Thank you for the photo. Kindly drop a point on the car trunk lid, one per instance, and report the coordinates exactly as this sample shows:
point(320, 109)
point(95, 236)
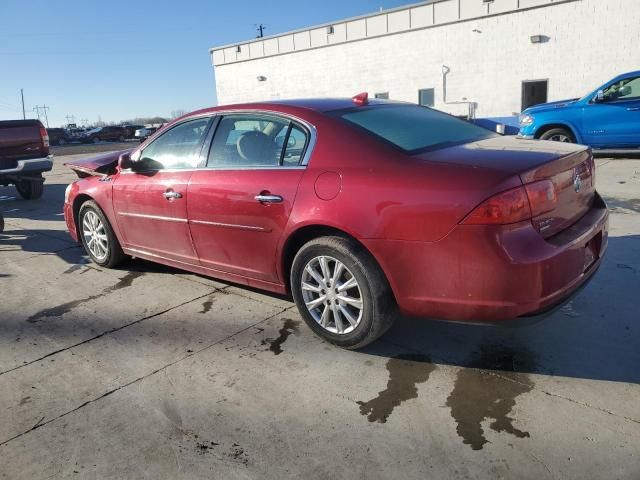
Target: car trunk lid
point(566, 165)
point(573, 177)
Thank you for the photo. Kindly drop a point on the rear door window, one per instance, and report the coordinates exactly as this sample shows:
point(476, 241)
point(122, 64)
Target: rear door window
point(256, 140)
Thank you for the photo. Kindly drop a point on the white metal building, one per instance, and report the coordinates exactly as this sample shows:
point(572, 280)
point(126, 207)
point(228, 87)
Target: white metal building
point(498, 55)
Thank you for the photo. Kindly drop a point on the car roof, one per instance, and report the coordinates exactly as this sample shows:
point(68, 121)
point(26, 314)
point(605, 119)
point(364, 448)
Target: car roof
point(315, 104)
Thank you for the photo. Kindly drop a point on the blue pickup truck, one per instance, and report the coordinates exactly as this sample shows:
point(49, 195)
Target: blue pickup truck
point(607, 118)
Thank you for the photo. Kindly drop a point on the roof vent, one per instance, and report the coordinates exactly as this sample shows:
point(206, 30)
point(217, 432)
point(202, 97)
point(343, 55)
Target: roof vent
point(361, 98)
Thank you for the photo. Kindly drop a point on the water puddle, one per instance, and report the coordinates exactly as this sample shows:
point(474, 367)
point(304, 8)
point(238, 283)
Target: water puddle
point(405, 373)
point(488, 390)
point(275, 345)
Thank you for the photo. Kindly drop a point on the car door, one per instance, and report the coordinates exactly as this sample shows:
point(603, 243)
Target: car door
point(150, 200)
point(613, 120)
point(240, 204)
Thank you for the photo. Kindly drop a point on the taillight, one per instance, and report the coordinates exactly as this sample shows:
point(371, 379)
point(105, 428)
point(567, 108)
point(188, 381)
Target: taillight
point(44, 137)
point(515, 205)
point(542, 197)
point(507, 207)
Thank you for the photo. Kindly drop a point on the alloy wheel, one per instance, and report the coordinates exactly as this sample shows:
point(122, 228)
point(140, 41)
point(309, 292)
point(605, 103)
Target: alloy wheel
point(560, 138)
point(95, 236)
point(332, 295)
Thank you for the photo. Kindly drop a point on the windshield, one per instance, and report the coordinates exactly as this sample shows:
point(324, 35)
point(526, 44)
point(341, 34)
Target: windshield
point(414, 128)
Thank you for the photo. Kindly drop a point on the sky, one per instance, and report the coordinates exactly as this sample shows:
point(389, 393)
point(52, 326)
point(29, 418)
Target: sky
point(120, 59)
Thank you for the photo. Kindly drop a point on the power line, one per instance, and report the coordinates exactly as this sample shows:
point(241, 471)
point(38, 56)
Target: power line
point(44, 109)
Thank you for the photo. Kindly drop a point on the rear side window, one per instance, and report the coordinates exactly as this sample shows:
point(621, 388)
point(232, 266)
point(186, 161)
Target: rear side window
point(414, 128)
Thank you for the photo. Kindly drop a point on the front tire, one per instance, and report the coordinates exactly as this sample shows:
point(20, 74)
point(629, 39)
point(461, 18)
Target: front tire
point(96, 140)
point(30, 189)
point(97, 236)
point(558, 135)
point(341, 292)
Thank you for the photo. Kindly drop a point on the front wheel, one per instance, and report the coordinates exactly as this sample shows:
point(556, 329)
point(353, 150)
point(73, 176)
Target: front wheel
point(558, 135)
point(30, 189)
point(97, 236)
point(341, 292)
point(96, 140)
point(121, 138)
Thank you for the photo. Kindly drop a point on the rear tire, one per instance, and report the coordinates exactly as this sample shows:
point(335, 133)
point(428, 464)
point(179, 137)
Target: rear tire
point(97, 236)
point(30, 189)
point(365, 310)
point(121, 138)
point(558, 135)
point(61, 141)
point(96, 140)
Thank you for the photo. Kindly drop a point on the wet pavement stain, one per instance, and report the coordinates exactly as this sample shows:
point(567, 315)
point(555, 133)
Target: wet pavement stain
point(74, 268)
point(60, 310)
point(275, 345)
point(405, 372)
point(206, 306)
point(480, 394)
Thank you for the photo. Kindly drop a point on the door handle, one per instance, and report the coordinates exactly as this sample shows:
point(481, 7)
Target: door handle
point(633, 109)
point(171, 195)
point(267, 198)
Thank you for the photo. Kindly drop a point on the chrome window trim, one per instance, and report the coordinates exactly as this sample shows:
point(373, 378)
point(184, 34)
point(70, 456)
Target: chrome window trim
point(128, 171)
point(313, 138)
point(313, 133)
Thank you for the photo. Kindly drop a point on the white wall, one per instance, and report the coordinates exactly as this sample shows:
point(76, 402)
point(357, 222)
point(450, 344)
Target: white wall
point(590, 41)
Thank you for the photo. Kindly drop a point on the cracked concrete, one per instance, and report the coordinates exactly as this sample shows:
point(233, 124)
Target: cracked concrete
point(149, 372)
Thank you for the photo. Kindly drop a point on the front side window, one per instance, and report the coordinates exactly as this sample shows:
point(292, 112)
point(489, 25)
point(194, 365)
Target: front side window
point(414, 128)
point(256, 141)
point(627, 89)
point(178, 147)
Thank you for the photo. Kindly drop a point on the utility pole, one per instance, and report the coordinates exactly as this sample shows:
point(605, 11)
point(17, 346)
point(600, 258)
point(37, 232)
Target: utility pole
point(46, 118)
point(260, 28)
point(70, 119)
point(44, 112)
point(24, 115)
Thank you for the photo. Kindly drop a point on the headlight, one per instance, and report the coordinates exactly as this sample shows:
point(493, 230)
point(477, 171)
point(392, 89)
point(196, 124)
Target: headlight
point(526, 119)
point(67, 192)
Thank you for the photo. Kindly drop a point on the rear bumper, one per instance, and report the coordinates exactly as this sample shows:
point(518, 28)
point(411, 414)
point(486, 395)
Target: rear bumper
point(489, 274)
point(27, 167)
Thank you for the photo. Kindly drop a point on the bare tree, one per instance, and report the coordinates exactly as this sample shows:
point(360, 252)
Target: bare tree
point(177, 113)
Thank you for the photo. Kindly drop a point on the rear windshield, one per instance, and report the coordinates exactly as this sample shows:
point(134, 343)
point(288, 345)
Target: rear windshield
point(414, 128)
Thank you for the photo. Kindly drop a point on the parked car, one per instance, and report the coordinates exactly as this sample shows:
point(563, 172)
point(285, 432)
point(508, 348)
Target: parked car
point(100, 134)
point(145, 132)
point(131, 130)
point(608, 117)
point(58, 136)
point(24, 156)
point(356, 208)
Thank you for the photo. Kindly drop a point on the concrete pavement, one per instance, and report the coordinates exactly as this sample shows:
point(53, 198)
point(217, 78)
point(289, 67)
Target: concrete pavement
point(149, 372)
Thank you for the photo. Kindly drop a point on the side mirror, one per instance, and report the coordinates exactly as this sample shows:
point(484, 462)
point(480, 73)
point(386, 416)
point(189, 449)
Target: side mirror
point(599, 96)
point(124, 162)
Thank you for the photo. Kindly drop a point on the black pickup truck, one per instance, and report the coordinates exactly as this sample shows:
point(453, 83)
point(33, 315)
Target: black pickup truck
point(24, 156)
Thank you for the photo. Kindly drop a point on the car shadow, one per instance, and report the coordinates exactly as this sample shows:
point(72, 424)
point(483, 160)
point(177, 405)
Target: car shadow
point(594, 336)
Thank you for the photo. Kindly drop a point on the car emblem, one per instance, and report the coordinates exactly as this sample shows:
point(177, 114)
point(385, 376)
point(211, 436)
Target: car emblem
point(577, 181)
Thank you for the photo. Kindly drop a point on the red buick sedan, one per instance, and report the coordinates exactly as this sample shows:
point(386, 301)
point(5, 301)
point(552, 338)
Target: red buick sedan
point(358, 208)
